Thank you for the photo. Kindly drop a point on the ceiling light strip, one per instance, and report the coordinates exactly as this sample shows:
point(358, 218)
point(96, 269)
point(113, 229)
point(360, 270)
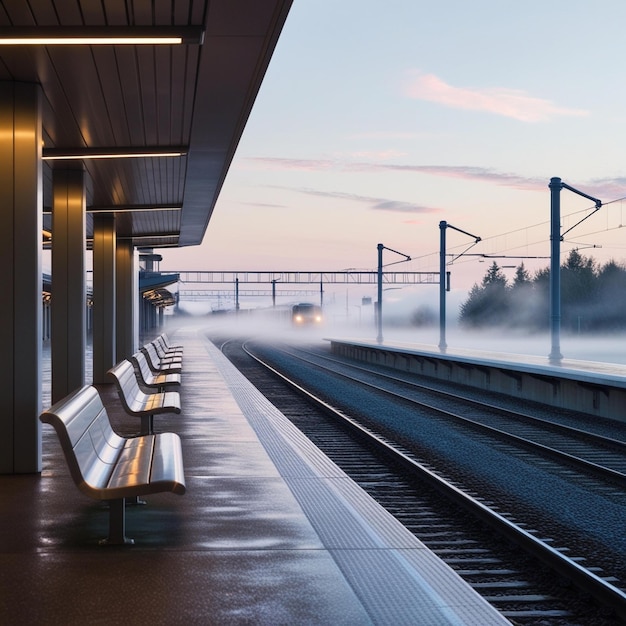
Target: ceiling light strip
point(100, 35)
point(134, 208)
point(126, 208)
point(172, 235)
point(123, 152)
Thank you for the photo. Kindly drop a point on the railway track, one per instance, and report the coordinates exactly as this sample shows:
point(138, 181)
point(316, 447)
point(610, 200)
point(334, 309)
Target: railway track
point(595, 454)
point(522, 574)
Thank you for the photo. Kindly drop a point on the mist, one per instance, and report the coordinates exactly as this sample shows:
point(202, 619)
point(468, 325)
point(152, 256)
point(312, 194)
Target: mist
point(411, 320)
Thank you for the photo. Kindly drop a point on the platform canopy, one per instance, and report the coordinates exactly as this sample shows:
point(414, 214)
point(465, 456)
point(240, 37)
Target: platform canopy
point(153, 287)
point(126, 101)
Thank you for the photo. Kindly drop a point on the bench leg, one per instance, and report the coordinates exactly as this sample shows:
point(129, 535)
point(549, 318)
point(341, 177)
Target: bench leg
point(135, 500)
point(147, 425)
point(117, 525)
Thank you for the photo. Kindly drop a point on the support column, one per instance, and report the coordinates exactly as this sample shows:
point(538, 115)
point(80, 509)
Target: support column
point(68, 271)
point(21, 277)
point(443, 225)
point(104, 313)
point(379, 303)
point(126, 297)
point(555, 186)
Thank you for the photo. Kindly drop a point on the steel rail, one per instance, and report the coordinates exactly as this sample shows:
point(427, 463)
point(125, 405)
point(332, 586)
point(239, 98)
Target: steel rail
point(603, 591)
point(555, 426)
point(601, 471)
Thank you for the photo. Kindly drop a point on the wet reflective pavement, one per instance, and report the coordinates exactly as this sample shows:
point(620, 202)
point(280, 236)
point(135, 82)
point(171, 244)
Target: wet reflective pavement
point(269, 531)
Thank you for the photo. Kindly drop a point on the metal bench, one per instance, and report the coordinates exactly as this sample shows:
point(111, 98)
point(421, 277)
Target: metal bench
point(106, 466)
point(166, 357)
point(169, 351)
point(157, 365)
point(136, 402)
point(150, 380)
point(168, 344)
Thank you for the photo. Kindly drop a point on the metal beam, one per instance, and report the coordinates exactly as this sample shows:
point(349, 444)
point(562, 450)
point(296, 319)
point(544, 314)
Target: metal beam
point(307, 277)
point(198, 295)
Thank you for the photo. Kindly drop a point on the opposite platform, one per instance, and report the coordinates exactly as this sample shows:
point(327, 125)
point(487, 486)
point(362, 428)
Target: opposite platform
point(587, 386)
point(270, 531)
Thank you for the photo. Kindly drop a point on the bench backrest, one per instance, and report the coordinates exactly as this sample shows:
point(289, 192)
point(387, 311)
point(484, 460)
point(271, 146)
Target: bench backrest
point(168, 349)
point(151, 353)
point(155, 360)
point(144, 368)
point(166, 341)
point(158, 348)
point(89, 443)
point(124, 375)
point(160, 343)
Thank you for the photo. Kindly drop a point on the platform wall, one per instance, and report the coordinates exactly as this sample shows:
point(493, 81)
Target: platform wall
point(601, 397)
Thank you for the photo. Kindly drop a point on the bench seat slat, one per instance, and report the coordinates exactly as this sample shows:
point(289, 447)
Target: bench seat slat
point(133, 465)
point(151, 468)
point(167, 379)
point(167, 463)
point(169, 360)
point(159, 402)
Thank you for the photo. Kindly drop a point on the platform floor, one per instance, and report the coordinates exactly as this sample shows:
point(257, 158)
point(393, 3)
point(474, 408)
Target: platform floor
point(269, 532)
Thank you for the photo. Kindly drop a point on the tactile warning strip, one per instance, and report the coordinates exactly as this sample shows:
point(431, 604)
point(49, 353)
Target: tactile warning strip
point(396, 577)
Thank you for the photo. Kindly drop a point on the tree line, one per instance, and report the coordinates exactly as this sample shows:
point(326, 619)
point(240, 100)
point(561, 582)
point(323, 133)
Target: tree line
point(593, 298)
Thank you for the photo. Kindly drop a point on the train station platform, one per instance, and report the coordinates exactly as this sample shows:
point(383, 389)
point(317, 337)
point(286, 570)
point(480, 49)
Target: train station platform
point(592, 387)
point(270, 531)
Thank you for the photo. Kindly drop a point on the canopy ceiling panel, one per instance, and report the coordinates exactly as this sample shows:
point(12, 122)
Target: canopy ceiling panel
point(194, 99)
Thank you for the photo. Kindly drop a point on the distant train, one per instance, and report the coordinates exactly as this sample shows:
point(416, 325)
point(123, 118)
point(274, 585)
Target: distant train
point(306, 314)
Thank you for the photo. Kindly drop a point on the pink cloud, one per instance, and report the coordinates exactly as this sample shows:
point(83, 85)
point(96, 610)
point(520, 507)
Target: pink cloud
point(512, 103)
point(465, 172)
point(606, 188)
point(377, 204)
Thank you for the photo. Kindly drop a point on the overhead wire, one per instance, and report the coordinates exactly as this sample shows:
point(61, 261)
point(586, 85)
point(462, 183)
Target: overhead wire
point(462, 258)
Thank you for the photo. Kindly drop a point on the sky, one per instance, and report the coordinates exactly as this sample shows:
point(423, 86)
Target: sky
point(376, 121)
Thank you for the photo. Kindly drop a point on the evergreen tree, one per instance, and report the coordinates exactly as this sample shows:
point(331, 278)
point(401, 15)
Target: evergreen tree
point(522, 305)
point(494, 277)
point(608, 309)
point(593, 297)
point(487, 304)
point(578, 284)
point(541, 300)
point(522, 277)
point(473, 310)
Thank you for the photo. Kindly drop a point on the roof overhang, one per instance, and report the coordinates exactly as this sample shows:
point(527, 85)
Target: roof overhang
point(154, 125)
